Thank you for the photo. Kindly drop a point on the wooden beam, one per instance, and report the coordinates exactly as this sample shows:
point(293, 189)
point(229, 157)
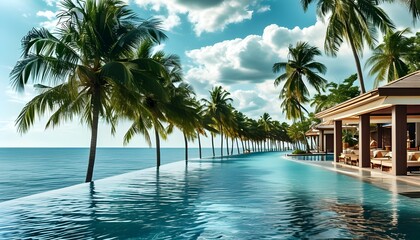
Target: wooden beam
point(338, 139)
point(399, 140)
point(364, 140)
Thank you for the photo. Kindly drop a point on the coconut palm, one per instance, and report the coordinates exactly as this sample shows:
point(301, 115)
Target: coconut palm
point(387, 61)
point(355, 22)
point(155, 105)
point(300, 66)
point(182, 112)
point(265, 122)
point(218, 107)
point(86, 67)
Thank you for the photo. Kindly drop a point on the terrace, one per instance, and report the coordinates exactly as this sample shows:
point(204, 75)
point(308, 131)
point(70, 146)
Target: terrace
point(394, 105)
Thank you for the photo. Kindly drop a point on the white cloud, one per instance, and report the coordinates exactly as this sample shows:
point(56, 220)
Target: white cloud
point(48, 14)
point(206, 16)
point(50, 2)
point(170, 22)
point(52, 20)
point(243, 65)
point(264, 9)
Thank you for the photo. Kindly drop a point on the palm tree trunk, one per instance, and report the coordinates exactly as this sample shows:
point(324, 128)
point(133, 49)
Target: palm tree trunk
point(237, 146)
point(186, 147)
point(304, 137)
point(232, 146)
point(227, 145)
point(356, 59)
point(94, 134)
point(157, 148)
point(221, 142)
point(212, 144)
point(199, 144)
point(242, 143)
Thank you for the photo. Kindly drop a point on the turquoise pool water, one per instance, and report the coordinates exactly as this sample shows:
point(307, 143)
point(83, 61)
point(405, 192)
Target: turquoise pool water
point(314, 157)
point(254, 196)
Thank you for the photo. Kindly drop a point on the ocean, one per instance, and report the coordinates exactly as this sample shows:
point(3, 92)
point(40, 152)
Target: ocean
point(27, 171)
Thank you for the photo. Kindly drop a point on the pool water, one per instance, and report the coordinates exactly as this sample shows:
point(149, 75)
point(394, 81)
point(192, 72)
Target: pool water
point(254, 196)
point(314, 157)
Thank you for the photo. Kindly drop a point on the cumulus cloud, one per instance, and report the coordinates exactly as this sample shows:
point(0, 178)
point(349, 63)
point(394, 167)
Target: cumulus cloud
point(243, 65)
point(249, 60)
point(52, 21)
point(48, 14)
point(207, 16)
point(170, 21)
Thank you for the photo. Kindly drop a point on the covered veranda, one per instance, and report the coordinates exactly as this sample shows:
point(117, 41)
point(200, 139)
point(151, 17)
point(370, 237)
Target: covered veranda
point(396, 103)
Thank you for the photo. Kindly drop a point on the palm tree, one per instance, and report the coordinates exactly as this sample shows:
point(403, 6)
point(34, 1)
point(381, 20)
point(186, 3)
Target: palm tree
point(182, 112)
point(301, 64)
point(88, 63)
point(337, 93)
point(265, 122)
point(353, 21)
point(218, 107)
point(387, 61)
point(155, 104)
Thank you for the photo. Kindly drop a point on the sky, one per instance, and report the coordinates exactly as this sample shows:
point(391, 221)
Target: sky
point(231, 43)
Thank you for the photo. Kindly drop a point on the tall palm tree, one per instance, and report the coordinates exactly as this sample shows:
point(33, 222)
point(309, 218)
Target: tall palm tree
point(219, 108)
point(387, 61)
point(155, 105)
point(300, 66)
point(182, 112)
point(352, 21)
point(265, 122)
point(89, 66)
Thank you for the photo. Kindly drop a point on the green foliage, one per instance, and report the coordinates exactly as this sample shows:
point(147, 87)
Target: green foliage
point(300, 66)
point(298, 151)
point(297, 130)
point(355, 22)
point(348, 137)
point(387, 60)
point(87, 67)
point(412, 57)
point(337, 93)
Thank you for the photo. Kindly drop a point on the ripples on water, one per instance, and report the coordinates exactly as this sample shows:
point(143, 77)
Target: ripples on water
point(258, 196)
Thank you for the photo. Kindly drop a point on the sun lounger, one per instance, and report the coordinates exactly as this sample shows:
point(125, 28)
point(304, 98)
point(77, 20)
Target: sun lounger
point(413, 162)
point(379, 157)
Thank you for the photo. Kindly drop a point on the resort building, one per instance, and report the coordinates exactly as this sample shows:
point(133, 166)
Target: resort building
point(386, 121)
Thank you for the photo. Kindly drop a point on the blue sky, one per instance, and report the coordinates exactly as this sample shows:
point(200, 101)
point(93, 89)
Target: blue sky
point(232, 43)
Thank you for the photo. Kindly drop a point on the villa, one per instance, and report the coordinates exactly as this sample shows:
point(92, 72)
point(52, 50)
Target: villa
point(394, 112)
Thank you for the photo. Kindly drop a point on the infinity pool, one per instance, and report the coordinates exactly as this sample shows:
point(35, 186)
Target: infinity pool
point(255, 196)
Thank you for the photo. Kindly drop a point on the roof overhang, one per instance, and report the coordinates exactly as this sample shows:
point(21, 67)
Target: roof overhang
point(378, 102)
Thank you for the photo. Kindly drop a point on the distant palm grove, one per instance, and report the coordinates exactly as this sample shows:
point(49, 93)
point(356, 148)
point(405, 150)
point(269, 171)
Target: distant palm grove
point(100, 64)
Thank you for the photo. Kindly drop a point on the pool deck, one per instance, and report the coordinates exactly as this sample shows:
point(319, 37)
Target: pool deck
point(384, 180)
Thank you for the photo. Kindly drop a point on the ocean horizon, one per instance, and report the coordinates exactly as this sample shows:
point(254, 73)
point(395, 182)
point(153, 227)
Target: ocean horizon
point(26, 171)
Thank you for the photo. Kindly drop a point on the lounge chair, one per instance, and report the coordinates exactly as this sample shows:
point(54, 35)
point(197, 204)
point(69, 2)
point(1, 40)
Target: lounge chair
point(379, 157)
point(413, 162)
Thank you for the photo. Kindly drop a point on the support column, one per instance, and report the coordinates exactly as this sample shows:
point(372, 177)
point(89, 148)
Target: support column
point(321, 140)
point(399, 140)
point(338, 139)
point(380, 140)
point(364, 140)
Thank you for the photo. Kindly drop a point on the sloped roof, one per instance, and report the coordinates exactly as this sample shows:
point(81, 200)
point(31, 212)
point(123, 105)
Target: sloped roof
point(406, 86)
point(403, 91)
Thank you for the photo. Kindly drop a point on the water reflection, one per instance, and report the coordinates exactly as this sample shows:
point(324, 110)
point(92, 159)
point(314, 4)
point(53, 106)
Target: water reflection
point(240, 198)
